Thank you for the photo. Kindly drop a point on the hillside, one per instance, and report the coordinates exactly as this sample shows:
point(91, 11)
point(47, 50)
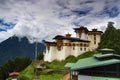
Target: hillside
point(111, 38)
point(13, 47)
point(53, 71)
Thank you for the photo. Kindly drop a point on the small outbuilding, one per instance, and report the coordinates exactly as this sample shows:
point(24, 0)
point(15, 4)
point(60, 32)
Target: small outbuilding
point(39, 68)
point(98, 67)
point(14, 75)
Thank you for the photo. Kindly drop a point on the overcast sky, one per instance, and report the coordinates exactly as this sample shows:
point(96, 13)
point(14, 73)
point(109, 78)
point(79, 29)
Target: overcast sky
point(43, 19)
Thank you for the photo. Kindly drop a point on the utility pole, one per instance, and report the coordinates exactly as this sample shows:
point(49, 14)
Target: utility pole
point(36, 53)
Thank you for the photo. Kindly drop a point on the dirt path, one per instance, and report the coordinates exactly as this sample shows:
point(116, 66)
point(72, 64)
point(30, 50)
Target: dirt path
point(66, 77)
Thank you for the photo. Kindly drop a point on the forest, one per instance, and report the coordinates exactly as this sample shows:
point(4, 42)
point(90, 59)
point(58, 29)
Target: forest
point(111, 38)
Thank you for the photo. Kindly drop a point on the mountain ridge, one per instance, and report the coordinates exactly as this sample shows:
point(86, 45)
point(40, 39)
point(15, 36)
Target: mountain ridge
point(16, 47)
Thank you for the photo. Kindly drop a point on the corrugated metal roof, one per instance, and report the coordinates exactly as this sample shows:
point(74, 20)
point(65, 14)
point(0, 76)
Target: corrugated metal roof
point(92, 62)
point(68, 65)
point(105, 55)
point(106, 49)
point(105, 78)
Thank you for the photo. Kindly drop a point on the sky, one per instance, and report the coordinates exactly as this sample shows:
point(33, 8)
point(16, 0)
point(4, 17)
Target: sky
point(43, 19)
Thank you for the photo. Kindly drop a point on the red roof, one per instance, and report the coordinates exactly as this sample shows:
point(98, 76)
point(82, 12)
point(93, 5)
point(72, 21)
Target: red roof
point(14, 74)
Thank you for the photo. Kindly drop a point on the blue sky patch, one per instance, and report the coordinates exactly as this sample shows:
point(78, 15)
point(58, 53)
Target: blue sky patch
point(80, 12)
point(76, 23)
point(7, 25)
point(113, 12)
point(2, 30)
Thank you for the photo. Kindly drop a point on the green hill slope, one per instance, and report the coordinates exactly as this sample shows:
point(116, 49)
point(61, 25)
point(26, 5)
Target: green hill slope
point(54, 70)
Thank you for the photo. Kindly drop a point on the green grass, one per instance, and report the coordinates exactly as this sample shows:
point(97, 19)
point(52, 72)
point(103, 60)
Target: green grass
point(51, 77)
point(50, 72)
point(60, 65)
point(29, 71)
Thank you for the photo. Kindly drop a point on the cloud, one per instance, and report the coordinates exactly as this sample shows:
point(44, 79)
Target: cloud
point(43, 19)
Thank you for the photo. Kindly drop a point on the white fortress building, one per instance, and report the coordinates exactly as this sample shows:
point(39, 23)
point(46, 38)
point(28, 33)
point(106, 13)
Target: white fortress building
point(64, 46)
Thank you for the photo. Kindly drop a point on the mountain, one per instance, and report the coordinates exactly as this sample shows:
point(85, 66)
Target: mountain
point(14, 46)
point(111, 38)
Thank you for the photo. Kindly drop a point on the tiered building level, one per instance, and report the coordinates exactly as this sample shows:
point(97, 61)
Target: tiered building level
point(64, 46)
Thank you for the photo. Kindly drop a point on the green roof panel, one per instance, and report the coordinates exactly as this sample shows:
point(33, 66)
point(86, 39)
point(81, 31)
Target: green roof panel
point(105, 78)
point(92, 62)
point(103, 55)
point(106, 49)
point(68, 65)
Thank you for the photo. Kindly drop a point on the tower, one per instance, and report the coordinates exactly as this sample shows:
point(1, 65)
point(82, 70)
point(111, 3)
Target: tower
point(81, 33)
point(94, 37)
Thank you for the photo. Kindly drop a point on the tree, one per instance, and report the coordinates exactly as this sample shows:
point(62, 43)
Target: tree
point(111, 38)
point(18, 64)
point(40, 56)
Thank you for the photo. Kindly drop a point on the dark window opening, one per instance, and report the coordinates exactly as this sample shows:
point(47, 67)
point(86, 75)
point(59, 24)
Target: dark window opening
point(81, 49)
point(94, 35)
point(94, 42)
point(73, 48)
point(94, 38)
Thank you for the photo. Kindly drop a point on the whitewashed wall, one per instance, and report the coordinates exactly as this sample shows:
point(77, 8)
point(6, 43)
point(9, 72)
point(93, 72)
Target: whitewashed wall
point(84, 36)
point(83, 77)
point(55, 54)
point(50, 54)
point(92, 45)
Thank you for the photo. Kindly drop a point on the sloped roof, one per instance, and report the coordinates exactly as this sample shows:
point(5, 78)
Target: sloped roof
point(38, 67)
point(104, 78)
point(50, 42)
point(95, 30)
point(106, 49)
point(73, 39)
point(103, 56)
point(68, 65)
point(92, 62)
point(81, 28)
point(14, 74)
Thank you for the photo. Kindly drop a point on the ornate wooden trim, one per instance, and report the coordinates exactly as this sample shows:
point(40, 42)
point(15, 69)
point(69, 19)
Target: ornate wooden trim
point(94, 33)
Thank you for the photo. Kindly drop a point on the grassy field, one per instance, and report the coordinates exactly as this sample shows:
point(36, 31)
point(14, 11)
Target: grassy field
point(54, 70)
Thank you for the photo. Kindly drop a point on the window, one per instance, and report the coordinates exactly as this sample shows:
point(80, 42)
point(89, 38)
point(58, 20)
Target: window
point(65, 44)
point(73, 48)
point(84, 49)
point(81, 44)
point(94, 35)
point(73, 44)
point(94, 42)
point(84, 45)
point(79, 36)
point(94, 38)
point(81, 49)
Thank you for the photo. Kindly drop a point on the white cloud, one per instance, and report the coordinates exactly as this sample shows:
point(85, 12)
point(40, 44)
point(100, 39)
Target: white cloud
point(43, 19)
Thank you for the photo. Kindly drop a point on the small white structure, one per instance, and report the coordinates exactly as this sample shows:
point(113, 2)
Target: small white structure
point(65, 46)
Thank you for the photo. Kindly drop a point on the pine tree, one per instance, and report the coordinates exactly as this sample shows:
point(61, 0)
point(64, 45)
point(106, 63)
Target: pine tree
point(111, 38)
